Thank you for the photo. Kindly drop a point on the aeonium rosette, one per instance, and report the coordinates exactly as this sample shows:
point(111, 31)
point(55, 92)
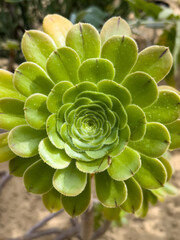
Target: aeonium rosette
point(87, 104)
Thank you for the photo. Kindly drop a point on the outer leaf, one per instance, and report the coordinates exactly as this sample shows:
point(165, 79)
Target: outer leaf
point(18, 165)
point(96, 69)
point(52, 200)
point(98, 165)
point(136, 122)
point(154, 60)
point(113, 27)
point(167, 165)
point(69, 181)
point(122, 52)
point(54, 100)
point(152, 173)
point(74, 206)
point(85, 40)
point(6, 86)
point(52, 132)
point(111, 193)
point(134, 198)
point(124, 165)
point(111, 213)
point(36, 111)
point(116, 90)
point(5, 152)
point(174, 130)
point(142, 87)
point(166, 109)
point(155, 142)
point(63, 65)
point(29, 78)
point(57, 27)
point(54, 157)
point(24, 140)
point(37, 46)
point(38, 178)
point(11, 113)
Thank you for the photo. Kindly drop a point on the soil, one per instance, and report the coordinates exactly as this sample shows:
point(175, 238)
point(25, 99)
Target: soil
point(20, 210)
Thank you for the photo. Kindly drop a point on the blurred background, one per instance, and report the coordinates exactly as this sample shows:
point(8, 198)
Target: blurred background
point(152, 22)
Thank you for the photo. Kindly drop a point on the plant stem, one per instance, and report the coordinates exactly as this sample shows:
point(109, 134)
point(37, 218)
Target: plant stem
point(87, 224)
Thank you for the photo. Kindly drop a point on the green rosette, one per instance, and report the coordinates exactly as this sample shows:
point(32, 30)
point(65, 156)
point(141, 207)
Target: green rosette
point(87, 105)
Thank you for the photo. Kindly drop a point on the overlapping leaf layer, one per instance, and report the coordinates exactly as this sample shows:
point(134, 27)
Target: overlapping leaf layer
point(88, 104)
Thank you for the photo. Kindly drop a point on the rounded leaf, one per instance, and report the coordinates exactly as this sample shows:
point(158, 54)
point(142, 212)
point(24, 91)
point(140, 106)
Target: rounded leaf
point(5, 152)
point(95, 70)
point(75, 206)
point(36, 111)
point(152, 173)
point(29, 78)
point(37, 46)
point(169, 169)
point(113, 27)
point(11, 113)
point(155, 142)
point(154, 60)
point(110, 193)
point(52, 200)
point(38, 178)
point(85, 40)
point(24, 140)
point(174, 130)
point(63, 65)
point(125, 165)
point(69, 181)
point(122, 52)
point(57, 27)
point(142, 87)
point(56, 158)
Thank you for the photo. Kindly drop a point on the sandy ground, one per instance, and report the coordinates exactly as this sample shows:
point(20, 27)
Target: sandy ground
point(20, 210)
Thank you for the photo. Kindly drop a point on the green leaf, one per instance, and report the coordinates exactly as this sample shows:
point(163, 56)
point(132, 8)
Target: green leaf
point(18, 165)
point(69, 181)
point(29, 78)
point(37, 46)
point(5, 152)
point(166, 109)
point(142, 88)
point(56, 158)
point(6, 86)
point(111, 213)
point(154, 60)
point(57, 27)
point(52, 133)
point(152, 173)
point(85, 40)
point(113, 27)
point(75, 206)
point(63, 65)
point(52, 200)
point(169, 169)
point(71, 94)
point(110, 193)
point(38, 178)
point(116, 90)
point(136, 122)
point(155, 142)
point(95, 70)
point(54, 101)
point(124, 165)
point(122, 52)
point(98, 165)
point(174, 130)
point(11, 113)
point(82, 156)
point(36, 111)
point(162, 193)
point(24, 140)
point(134, 198)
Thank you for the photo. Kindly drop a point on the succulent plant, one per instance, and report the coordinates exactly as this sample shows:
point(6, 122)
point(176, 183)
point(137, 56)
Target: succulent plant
point(86, 105)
